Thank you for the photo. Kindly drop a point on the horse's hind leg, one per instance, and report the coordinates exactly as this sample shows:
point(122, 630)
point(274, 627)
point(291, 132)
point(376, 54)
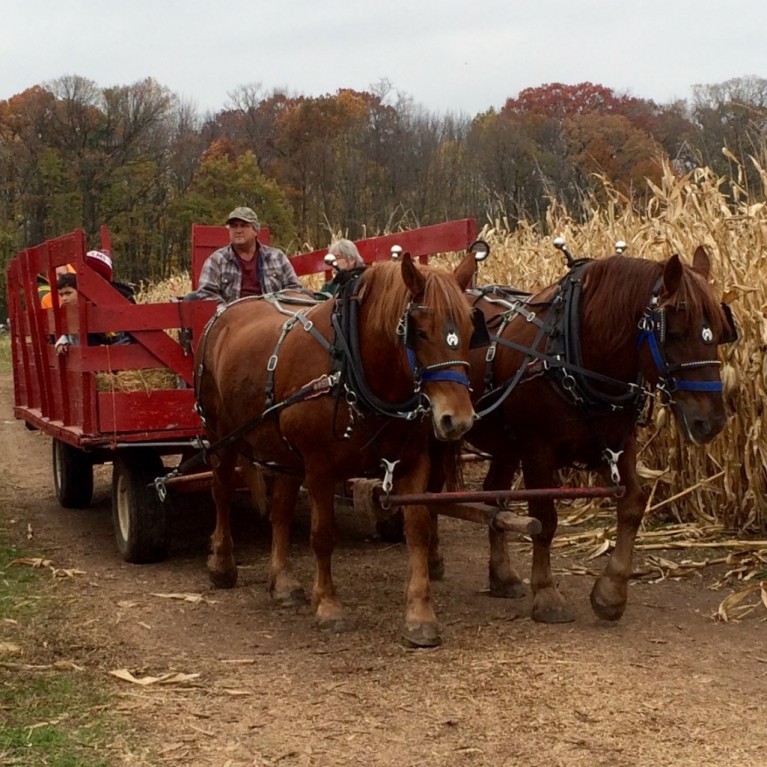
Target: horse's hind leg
point(222, 568)
point(610, 592)
point(548, 604)
point(284, 588)
point(503, 579)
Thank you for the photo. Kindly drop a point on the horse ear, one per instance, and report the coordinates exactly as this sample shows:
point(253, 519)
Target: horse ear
point(701, 262)
point(672, 275)
point(412, 276)
point(466, 270)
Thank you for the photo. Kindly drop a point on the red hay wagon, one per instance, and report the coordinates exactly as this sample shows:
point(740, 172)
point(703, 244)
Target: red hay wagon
point(138, 432)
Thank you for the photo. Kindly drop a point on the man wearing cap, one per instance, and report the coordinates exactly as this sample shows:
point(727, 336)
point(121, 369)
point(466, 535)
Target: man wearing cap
point(245, 267)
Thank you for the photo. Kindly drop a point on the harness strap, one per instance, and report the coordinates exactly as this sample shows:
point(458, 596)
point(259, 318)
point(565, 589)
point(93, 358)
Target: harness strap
point(319, 386)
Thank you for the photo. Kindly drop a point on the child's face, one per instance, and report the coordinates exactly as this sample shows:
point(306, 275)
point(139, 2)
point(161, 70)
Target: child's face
point(67, 296)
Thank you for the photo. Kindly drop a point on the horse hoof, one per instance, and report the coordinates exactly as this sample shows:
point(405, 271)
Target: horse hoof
point(506, 589)
point(553, 614)
point(293, 598)
point(223, 579)
point(437, 570)
point(606, 611)
point(422, 635)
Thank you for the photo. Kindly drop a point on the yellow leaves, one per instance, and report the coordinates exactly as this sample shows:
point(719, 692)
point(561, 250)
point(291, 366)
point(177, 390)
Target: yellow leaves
point(734, 608)
point(186, 597)
point(39, 562)
point(173, 678)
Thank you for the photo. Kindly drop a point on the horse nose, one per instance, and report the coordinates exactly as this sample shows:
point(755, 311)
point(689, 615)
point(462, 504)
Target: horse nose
point(705, 429)
point(450, 427)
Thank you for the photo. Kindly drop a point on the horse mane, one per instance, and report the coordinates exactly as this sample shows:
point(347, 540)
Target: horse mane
point(386, 296)
point(618, 288)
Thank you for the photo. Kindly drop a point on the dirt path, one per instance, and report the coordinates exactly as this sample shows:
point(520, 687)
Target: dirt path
point(666, 685)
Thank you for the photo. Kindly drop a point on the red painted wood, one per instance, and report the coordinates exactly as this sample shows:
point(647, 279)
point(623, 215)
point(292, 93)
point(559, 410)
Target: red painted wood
point(420, 243)
point(121, 412)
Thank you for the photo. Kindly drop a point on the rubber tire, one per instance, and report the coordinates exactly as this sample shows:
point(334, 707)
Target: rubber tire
point(72, 475)
point(141, 519)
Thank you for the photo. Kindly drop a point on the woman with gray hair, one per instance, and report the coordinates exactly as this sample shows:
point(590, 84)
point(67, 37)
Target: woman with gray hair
point(347, 257)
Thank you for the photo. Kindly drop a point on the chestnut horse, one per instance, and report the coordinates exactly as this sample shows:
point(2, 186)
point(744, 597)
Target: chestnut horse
point(563, 384)
point(331, 392)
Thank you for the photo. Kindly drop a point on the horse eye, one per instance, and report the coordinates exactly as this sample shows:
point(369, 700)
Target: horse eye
point(422, 334)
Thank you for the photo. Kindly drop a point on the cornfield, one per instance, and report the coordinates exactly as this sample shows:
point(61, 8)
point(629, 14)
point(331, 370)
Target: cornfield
point(725, 482)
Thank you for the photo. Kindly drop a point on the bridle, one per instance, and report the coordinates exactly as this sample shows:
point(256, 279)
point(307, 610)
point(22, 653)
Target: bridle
point(652, 331)
point(437, 370)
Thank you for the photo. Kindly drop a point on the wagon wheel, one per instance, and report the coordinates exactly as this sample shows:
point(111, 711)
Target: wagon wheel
point(72, 475)
point(141, 519)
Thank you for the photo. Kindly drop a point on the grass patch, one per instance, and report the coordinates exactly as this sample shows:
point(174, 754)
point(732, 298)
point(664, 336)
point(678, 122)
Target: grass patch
point(50, 714)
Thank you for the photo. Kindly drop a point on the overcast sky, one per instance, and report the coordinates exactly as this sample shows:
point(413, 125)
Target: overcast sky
point(462, 57)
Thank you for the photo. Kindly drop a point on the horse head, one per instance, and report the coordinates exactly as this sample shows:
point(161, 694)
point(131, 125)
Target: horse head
point(435, 329)
point(683, 325)
point(437, 342)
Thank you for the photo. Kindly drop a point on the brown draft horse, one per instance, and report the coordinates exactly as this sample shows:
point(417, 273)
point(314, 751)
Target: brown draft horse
point(572, 370)
point(333, 392)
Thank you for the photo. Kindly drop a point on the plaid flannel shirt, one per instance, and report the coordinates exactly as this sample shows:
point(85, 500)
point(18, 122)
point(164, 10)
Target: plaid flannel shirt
point(221, 277)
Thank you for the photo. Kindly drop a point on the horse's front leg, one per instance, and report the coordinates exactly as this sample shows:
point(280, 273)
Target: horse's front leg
point(503, 579)
point(549, 605)
point(421, 629)
point(437, 476)
point(222, 568)
point(284, 587)
point(328, 609)
point(610, 592)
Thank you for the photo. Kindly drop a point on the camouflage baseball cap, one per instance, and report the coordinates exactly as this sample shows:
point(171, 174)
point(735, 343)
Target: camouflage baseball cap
point(247, 215)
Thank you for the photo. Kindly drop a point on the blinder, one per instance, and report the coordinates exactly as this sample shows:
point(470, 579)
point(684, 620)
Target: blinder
point(730, 331)
point(480, 335)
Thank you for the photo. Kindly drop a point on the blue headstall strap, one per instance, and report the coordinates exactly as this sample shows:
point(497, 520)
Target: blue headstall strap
point(437, 371)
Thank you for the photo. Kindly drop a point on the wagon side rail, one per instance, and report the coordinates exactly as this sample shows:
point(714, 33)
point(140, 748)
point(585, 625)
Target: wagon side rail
point(421, 243)
point(60, 393)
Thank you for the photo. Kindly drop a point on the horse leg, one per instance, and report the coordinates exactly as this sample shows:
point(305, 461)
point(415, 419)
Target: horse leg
point(437, 478)
point(610, 592)
point(503, 579)
point(222, 569)
point(328, 609)
point(421, 629)
point(548, 604)
point(284, 588)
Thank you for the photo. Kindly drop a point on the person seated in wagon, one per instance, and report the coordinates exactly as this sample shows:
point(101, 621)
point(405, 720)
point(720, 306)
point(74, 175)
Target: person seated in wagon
point(244, 267)
point(347, 257)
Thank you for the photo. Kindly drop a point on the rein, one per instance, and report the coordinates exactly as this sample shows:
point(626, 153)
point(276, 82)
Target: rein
point(348, 354)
